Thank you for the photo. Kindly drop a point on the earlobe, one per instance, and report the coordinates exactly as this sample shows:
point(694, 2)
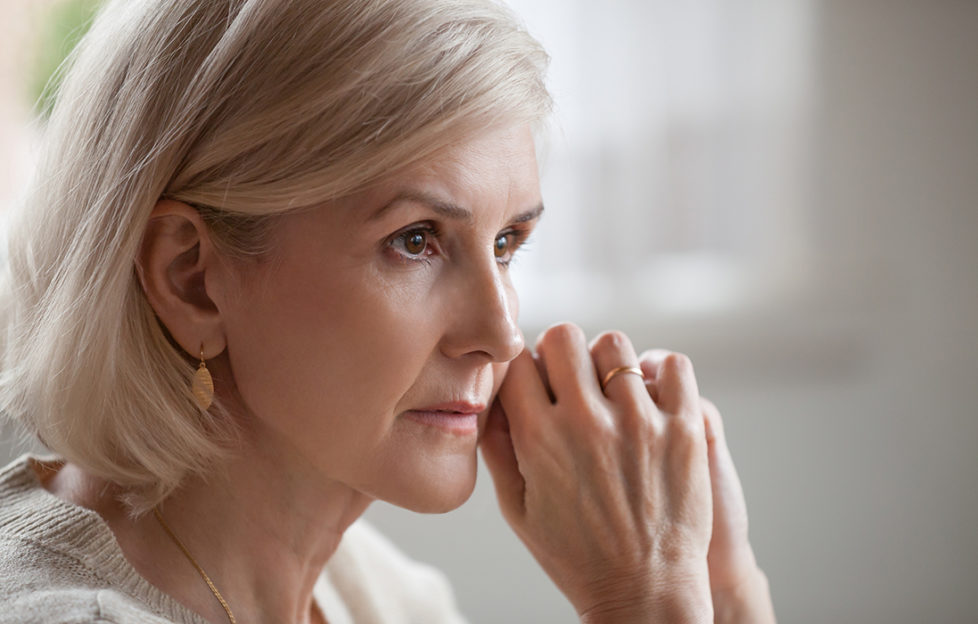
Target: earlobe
point(175, 264)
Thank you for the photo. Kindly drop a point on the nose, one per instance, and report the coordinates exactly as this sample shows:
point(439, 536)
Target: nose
point(484, 314)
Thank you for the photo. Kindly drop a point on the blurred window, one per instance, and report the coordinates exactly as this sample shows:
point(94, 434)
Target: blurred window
point(677, 175)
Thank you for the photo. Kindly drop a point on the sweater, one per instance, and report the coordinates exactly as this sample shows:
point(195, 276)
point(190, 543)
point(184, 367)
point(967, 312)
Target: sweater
point(61, 564)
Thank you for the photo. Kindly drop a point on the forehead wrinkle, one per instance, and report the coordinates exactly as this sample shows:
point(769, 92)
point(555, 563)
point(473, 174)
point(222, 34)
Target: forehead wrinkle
point(440, 206)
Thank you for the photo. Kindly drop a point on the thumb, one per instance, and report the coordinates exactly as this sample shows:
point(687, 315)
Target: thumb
point(500, 458)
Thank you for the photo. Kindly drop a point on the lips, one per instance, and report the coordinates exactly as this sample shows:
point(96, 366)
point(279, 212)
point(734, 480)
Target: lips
point(458, 407)
point(458, 417)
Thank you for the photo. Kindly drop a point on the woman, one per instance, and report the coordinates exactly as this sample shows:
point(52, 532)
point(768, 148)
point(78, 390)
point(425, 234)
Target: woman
point(261, 281)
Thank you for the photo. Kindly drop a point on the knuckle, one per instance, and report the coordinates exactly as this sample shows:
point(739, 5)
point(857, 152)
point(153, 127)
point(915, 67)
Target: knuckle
point(686, 428)
point(587, 416)
point(612, 341)
point(561, 334)
point(658, 424)
point(591, 407)
point(605, 432)
point(638, 422)
point(679, 362)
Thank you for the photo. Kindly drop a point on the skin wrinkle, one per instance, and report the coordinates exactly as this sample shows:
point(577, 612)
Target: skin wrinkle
point(446, 208)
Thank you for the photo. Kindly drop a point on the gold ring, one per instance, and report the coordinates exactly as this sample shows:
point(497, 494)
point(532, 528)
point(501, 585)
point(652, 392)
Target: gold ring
point(621, 370)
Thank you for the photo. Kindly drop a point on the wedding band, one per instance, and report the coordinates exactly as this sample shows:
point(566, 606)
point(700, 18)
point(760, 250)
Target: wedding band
point(621, 370)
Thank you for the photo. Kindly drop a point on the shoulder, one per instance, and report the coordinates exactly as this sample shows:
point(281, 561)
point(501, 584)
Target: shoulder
point(43, 586)
point(60, 564)
point(41, 539)
point(378, 582)
point(73, 605)
point(31, 593)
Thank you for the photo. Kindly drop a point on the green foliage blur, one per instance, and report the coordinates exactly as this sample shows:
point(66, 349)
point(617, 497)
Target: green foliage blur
point(64, 26)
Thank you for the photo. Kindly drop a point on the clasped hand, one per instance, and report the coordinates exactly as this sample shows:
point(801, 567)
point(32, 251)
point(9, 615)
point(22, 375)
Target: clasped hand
point(626, 495)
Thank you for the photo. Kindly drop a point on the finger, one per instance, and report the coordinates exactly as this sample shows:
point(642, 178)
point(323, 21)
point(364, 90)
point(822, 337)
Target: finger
point(542, 372)
point(730, 551)
point(523, 398)
point(500, 458)
point(611, 351)
point(522, 389)
point(650, 361)
point(678, 393)
point(728, 494)
point(563, 351)
point(652, 389)
point(713, 422)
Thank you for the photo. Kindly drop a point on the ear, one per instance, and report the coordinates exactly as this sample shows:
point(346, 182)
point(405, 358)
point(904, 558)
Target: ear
point(176, 264)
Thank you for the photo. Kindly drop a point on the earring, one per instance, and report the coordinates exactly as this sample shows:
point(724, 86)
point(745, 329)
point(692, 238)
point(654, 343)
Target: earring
point(203, 384)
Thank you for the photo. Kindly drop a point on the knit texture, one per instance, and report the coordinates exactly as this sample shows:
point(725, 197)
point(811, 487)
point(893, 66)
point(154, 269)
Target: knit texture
point(61, 564)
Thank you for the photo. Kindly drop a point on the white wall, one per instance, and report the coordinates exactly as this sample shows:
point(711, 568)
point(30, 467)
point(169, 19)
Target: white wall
point(850, 407)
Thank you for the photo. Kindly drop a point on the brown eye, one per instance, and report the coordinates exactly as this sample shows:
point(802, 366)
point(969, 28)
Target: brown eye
point(501, 246)
point(415, 243)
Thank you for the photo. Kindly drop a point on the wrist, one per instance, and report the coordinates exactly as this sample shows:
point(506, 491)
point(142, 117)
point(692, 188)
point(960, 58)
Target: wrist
point(685, 601)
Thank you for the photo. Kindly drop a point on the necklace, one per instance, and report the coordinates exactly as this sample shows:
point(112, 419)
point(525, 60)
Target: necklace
point(200, 570)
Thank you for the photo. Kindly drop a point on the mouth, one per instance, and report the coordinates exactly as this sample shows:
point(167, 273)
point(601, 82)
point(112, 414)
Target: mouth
point(459, 418)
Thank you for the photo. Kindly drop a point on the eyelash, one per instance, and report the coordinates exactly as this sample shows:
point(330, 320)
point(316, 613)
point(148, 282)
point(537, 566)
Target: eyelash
point(428, 229)
point(519, 239)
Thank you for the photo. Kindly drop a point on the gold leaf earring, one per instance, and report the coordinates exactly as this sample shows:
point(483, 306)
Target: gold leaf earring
point(203, 384)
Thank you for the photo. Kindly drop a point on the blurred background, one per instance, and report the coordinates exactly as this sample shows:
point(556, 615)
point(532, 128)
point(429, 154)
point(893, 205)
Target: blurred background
point(787, 191)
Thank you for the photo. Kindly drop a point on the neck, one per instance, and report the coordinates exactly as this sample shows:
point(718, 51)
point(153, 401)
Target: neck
point(263, 533)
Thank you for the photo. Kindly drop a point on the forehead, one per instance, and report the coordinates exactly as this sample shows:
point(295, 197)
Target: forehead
point(495, 170)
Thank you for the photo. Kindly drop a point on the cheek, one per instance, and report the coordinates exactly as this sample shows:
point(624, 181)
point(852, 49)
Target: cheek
point(327, 356)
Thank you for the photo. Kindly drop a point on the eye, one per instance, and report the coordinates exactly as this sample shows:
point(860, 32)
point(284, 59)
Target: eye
point(416, 243)
point(502, 247)
point(507, 244)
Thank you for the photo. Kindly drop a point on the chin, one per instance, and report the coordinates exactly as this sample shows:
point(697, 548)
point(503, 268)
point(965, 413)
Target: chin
point(434, 489)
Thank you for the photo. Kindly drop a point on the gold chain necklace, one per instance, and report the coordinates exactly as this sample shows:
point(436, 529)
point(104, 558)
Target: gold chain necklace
point(200, 570)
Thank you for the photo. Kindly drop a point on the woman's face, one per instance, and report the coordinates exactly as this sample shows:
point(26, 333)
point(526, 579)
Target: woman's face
point(369, 345)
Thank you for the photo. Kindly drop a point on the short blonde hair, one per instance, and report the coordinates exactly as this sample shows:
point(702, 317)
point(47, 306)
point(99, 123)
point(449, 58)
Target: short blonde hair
point(248, 108)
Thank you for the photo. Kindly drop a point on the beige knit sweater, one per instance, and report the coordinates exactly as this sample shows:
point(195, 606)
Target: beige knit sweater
point(61, 564)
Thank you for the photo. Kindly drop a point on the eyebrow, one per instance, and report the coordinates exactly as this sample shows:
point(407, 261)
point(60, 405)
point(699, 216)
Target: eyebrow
point(447, 209)
point(529, 215)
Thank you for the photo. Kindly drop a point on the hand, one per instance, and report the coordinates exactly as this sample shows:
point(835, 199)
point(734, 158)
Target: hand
point(738, 587)
point(610, 491)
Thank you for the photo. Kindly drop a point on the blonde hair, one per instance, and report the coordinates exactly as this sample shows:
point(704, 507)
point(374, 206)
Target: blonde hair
point(246, 108)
